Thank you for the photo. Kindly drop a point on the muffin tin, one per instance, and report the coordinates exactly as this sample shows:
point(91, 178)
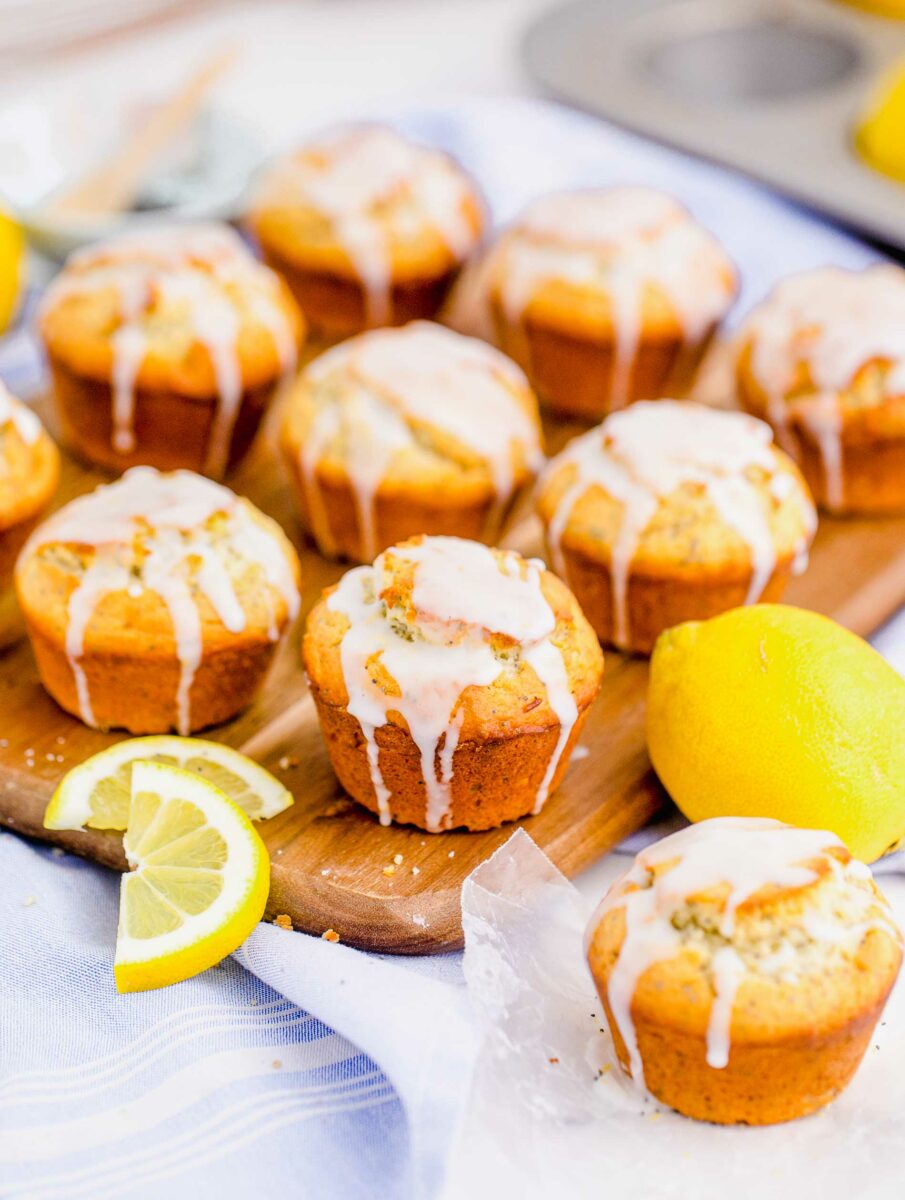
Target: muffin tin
point(773, 88)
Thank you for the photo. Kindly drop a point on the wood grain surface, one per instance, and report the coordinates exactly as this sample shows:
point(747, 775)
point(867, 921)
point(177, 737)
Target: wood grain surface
point(333, 864)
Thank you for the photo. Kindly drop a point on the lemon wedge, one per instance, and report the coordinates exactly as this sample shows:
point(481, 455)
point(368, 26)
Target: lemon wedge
point(198, 882)
point(96, 794)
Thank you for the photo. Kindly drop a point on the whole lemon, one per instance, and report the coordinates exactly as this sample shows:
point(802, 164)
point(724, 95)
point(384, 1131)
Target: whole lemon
point(772, 711)
point(12, 248)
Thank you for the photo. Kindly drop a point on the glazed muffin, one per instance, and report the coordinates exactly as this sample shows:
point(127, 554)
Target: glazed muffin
point(156, 602)
point(29, 473)
point(670, 512)
point(604, 297)
point(407, 431)
point(823, 360)
point(743, 966)
point(451, 682)
point(166, 347)
point(367, 228)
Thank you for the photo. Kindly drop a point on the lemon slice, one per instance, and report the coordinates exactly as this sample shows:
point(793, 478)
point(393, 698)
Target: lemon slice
point(199, 880)
point(96, 793)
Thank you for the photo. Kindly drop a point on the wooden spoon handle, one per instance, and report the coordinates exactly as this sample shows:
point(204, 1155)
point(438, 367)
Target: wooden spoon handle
point(113, 186)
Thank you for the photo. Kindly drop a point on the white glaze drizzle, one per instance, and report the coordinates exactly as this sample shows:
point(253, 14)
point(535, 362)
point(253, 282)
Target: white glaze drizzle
point(193, 265)
point(371, 183)
point(14, 412)
point(168, 514)
point(422, 374)
point(463, 593)
point(641, 455)
point(617, 242)
point(833, 322)
point(743, 854)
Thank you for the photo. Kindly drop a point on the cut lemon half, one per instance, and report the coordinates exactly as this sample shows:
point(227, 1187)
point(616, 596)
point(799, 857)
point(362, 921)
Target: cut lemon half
point(96, 794)
point(199, 879)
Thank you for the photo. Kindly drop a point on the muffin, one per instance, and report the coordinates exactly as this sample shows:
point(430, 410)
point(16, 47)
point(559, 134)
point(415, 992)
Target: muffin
point(451, 682)
point(407, 431)
point(29, 473)
point(604, 297)
point(165, 348)
point(823, 360)
point(670, 512)
point(367, 228)
point(156, 602)
point(743, 965)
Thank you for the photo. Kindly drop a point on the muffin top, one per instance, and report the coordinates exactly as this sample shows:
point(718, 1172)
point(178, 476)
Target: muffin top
point(827, 349)
point(184, 309)
point(417, 409)
point(745, 926)
point(608, 263)
point(453, 641)
point(834, 331)
point(157, 564)
point(29, 462)
point(367, 204)
point(676, 485)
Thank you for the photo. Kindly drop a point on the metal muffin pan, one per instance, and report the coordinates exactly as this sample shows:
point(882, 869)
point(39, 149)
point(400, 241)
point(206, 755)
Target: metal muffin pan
point(772, 88)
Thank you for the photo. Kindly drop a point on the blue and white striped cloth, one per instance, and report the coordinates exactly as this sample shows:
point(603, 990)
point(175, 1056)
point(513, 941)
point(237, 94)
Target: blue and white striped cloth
point(298, 1068)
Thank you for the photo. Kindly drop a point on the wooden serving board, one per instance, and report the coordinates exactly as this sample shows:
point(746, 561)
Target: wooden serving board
point(328, 854)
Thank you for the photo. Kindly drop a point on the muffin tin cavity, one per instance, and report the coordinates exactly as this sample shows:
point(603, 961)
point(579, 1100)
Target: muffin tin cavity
point(757, 59)
point(776, 90)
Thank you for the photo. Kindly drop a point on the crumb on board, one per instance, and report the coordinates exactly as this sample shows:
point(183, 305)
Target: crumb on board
point(288, 761)
point(330, 935)
point(389, 869)
point(452, 854)
point(283, 920)
point(416, 870)
point(337, 808)
point(398, 859)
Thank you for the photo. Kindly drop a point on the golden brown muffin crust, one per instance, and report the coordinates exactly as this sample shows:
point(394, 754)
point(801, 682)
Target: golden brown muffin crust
point(193, 290)
point(774, 1030)
point(29, 463)
point(297, 220)
point(515, 701)
point(417, 420)
point(156, 602)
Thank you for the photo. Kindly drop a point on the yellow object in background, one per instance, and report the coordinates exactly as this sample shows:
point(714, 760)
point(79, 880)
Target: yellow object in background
point(773, 711)
point(12, 258)
point(884, 8)
point(880, 138)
